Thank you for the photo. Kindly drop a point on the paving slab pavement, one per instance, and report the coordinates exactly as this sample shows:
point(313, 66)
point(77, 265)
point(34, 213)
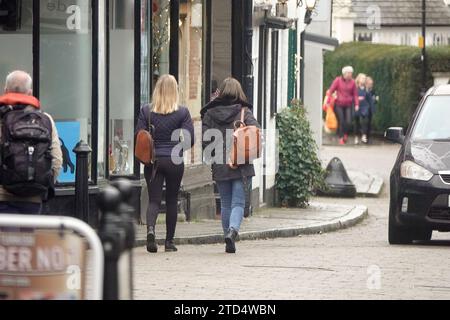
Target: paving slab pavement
point(267, 223)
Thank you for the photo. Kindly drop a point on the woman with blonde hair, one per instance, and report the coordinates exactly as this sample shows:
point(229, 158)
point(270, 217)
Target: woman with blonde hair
point(164, 118)
point(220, 115)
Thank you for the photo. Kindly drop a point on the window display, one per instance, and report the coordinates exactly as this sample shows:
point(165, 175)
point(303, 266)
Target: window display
point(121, 90)
point(66, 67)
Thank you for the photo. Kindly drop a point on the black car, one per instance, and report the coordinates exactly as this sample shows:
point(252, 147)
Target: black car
point(420, 179)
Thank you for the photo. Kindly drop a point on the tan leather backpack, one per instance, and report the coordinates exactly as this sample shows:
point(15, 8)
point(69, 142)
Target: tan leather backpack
point(246, 142)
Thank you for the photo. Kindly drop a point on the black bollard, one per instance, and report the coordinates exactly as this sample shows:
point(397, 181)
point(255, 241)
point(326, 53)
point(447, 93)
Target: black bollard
point(82, 151)
point(338, 183)
point(128, 222)
point(113, 238)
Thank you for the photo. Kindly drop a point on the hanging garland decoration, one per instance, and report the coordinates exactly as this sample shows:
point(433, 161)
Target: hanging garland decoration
point(161, 17)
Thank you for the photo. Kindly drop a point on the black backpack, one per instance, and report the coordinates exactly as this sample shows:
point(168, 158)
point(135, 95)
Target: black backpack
point(26, 161)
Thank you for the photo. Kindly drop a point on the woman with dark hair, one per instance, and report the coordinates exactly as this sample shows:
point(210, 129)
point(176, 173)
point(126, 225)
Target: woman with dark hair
point(373, 106)
point(219, 116)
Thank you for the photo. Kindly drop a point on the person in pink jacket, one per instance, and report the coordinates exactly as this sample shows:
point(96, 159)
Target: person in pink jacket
point(347, 95)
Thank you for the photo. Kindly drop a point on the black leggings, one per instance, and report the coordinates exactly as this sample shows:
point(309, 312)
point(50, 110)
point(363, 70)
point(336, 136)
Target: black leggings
point(344, 117)
point(172, 174)
point(362, 125)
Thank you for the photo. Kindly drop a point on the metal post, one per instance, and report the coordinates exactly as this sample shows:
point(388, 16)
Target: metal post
point(302, 66)
point(117, 232)
point(82, 151)
point(128, 217)
point(248, 44)
point(113, 240)
point(423, 44)
point(248, 80)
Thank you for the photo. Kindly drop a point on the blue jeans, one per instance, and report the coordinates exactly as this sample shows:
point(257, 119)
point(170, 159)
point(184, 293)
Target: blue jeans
point(232, 199)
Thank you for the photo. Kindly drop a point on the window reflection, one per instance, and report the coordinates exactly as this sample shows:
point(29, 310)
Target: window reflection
point(161, 38)
point(66, 72)
point(121, 82)
point(16, 36)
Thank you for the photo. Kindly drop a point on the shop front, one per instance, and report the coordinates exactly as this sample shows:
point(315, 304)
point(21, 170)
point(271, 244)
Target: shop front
point(94, 64)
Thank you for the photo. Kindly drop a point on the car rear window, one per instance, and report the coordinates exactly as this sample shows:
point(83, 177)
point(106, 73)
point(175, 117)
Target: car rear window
point(433, 121)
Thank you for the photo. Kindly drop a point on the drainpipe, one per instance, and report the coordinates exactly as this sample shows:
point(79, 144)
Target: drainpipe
point(247, 64)
point(247, 81)
point(302, 66)
point(423, 46)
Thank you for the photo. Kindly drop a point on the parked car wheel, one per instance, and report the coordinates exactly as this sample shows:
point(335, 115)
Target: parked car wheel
point(398, 235)
point(404, 235)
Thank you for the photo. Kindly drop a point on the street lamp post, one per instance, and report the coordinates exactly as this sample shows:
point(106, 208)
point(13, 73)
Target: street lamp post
point(422, 43)
point(310, 6)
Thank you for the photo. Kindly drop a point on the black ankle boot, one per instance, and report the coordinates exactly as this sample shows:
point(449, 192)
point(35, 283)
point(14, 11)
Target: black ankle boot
point(152, 247)
point(170, 246)
point(230, 240)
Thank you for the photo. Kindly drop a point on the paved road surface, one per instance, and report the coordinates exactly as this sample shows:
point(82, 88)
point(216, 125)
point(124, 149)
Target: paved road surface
point(356, 263)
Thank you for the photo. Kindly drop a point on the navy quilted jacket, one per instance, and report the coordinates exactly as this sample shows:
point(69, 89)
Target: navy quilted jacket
point(165, 125)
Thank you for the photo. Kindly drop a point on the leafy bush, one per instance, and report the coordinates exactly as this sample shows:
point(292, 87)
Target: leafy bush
point(396, 71)
point(300, 171)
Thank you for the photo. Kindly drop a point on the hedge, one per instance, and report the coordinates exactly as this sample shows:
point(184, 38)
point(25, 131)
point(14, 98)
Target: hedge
point(300, 172)
point(396, 71)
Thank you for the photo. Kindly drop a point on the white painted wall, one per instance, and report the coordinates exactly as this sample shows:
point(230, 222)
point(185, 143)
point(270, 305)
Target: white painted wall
point(314, 87)
point(320, 25)
point(343, 29)
point(343, 21)
point(271, 160)
point(441, 78)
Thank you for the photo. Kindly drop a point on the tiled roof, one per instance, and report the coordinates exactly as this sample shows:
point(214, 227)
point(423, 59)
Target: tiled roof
point(400, 12)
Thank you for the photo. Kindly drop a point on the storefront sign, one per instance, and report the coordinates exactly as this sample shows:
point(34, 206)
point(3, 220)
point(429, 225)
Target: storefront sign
point(42, 265)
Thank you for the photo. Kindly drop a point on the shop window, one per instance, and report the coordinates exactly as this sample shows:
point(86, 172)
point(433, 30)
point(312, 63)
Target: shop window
point(161, 38)
point(16, 25)
point(191, 55)
point(121, 87)
point(146, 53)
point(191, 71)
point(66, 72)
